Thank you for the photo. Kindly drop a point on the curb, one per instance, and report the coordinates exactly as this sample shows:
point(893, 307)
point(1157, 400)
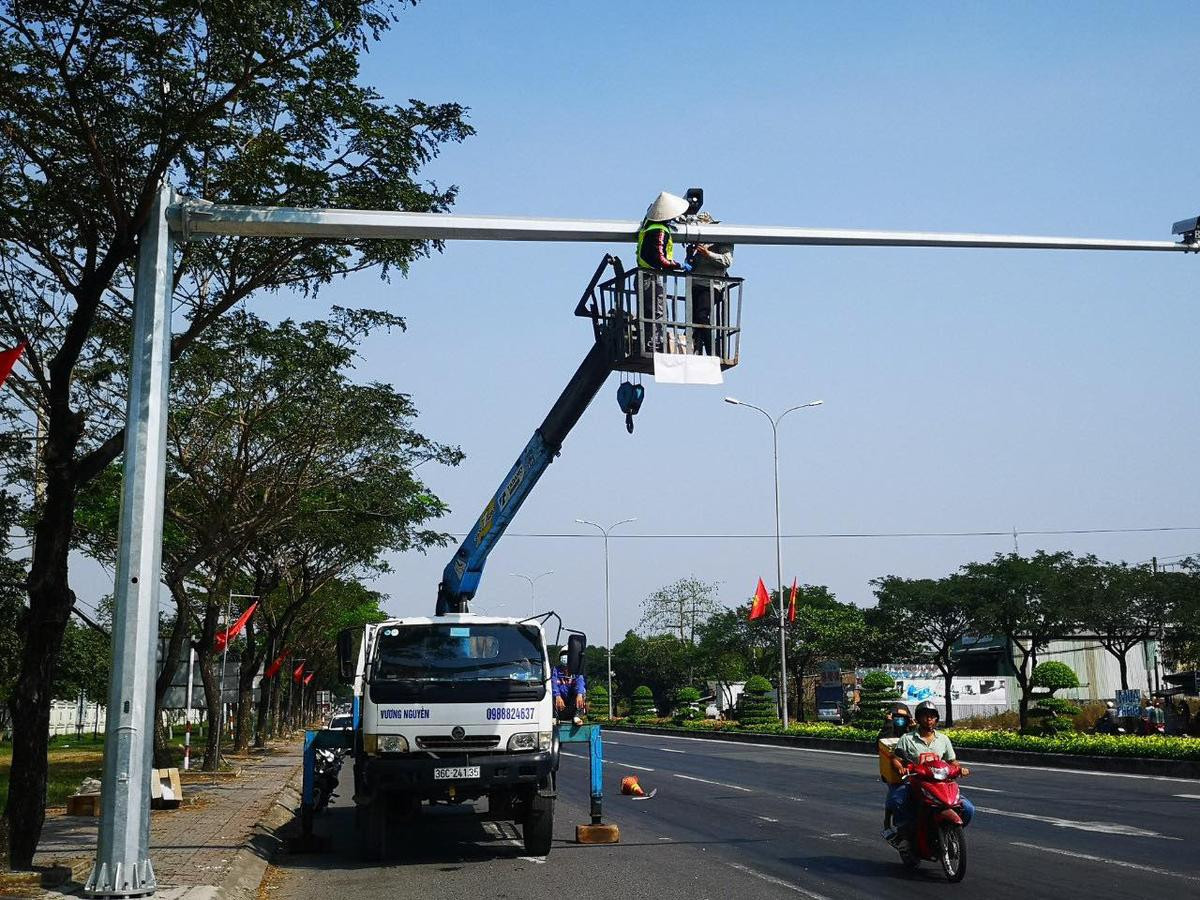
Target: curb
point(250, 862)
point(1171, 768)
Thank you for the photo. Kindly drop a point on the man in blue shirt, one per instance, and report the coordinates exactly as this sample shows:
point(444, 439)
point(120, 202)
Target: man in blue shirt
point(570, 692)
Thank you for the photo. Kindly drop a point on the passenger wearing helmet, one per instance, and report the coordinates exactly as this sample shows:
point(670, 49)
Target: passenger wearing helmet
point(923, 745)
point(570, 692)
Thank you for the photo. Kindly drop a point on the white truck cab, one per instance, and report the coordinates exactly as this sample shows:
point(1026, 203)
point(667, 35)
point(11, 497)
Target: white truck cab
point(453, 708)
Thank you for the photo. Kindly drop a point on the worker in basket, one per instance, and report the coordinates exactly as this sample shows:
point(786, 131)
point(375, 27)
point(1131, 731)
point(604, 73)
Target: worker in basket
point(656, 254)
point(570, 692)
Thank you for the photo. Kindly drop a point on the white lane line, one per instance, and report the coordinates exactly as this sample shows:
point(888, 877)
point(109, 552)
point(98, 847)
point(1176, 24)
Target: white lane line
point(973, 765)
point(669, 750)
point(974, 787)
point(610, 762)
point(767, 819)
point(771, 879)
point(1101, 827)
point(1141, 867)
point(1188, 796)
point(717, 783)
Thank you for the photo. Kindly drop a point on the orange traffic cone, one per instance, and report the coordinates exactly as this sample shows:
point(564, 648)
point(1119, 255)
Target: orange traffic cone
point(629, 785)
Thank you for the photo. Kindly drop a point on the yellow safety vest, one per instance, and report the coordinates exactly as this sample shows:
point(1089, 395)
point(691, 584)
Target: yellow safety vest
point(641, 240)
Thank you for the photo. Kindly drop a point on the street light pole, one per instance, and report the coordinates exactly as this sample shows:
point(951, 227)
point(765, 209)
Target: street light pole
point(532, 581)
point(778, 547)
point(607, 616)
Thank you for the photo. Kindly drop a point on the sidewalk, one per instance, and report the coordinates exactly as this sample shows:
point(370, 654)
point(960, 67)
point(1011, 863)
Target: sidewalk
point(212, 843)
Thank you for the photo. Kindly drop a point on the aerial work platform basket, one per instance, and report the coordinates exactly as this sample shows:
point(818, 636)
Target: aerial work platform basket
point(644, 312)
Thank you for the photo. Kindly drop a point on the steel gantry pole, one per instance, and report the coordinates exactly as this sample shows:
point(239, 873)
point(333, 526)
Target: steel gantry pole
point(607, 616)
point(122, 867)
point(783, 710)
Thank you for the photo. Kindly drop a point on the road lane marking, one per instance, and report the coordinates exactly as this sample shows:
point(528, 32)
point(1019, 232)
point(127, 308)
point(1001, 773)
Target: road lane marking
point(1101, 827)
point(1188, 796)
point(669, 750)
point(767, 819)
point(771, 879)
point(609, 762)
point(717, 783)
point(987, 790)
point(868, 755)
point(1141, 867)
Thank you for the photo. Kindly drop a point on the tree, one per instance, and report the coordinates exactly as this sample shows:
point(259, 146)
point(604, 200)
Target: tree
point(1180, 593)
point(1028, 601)
point(681, 609)
point(878, 695)
point(1053, 713)
point(661, 662)
point(754, 706)
point(825, 629)
point(937, 614)
point(1119, 604)
point(102, 102)
point(643, 703)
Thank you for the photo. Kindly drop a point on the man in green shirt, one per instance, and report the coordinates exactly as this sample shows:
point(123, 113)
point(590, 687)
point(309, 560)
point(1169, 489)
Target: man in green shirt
point(921, 746)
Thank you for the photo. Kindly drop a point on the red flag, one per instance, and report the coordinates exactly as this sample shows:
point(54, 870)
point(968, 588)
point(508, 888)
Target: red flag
point(792, 603)
point(309, 677)
point(8, 359)
point(761, 600)
point(273, 668)
point(236, 628)
point(299, 671)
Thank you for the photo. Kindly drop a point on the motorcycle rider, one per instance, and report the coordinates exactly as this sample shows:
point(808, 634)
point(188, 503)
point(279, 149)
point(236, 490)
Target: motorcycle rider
point(921, 746)
point(898, 723)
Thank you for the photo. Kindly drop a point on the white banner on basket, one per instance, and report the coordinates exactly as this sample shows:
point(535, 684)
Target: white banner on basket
point(687, 368)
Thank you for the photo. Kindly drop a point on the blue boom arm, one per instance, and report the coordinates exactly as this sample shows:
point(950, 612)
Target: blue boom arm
point(461, 577)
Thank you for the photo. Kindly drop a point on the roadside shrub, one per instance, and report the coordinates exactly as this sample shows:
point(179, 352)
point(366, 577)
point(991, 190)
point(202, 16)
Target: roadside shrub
point(1053, 715)
point(877, 695)
point(597, 698)
point(687, 700)
point(1005, 720)
point(643, 704)
point(754, 706)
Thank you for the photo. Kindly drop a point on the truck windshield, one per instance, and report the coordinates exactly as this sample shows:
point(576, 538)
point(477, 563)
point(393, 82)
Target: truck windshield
point(460, 653)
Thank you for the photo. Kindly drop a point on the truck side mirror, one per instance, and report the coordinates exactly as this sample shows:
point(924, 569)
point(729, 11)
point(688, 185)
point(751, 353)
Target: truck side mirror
point(345, 651)
point(576, 644)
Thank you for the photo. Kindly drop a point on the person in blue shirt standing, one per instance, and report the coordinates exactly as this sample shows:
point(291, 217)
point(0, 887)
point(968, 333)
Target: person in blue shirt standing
point(570, 692)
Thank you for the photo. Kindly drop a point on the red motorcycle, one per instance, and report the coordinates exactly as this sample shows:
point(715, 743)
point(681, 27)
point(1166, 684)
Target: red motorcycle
point(937, 832)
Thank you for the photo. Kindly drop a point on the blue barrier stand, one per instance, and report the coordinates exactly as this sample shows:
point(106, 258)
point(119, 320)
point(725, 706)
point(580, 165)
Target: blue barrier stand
point(569, 733)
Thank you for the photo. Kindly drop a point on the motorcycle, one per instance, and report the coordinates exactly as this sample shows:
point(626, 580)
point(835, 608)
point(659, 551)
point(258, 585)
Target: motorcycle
point(937, 831)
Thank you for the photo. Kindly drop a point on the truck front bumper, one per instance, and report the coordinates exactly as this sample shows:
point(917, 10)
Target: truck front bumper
point(414, 773)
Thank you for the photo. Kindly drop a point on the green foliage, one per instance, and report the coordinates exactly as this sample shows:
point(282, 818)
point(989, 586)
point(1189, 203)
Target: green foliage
point(84, 664)
point(877, 694)
point(1054, 676)
point(680, 609)
point(661, 663)
point(754, 706)
point(597, 697)
point(643, 703)
point(687, 701)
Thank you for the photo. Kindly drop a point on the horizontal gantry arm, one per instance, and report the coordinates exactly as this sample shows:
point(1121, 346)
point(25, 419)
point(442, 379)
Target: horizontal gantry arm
point(197, 218)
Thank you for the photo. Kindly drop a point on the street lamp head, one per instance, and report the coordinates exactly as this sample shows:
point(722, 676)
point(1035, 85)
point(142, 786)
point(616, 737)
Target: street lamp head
point(733, 400)
point(816, 403)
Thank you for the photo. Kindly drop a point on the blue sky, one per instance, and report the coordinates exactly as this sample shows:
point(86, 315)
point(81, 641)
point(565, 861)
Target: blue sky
point(964, 389)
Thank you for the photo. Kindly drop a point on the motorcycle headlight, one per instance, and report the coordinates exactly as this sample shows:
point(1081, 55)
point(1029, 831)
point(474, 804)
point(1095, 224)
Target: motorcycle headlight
point(525, 740)
point(393, 743)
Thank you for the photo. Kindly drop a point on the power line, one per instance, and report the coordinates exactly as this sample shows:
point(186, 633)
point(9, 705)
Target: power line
point(1006, 533)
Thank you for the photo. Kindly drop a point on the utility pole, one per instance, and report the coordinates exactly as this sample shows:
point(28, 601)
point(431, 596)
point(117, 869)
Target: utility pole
point(607, 615)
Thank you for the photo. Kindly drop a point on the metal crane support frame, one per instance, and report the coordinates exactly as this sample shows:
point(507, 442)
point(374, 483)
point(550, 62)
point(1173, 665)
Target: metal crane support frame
point(123, 867)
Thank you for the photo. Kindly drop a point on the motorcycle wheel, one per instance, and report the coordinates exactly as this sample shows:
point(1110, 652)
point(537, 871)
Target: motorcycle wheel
point(952, 845)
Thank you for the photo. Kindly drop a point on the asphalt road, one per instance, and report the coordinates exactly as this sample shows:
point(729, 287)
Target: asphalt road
point(737, 820)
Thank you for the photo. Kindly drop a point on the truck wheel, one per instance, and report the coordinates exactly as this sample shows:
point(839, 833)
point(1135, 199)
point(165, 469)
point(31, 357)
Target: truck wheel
point(538, 830)
point(374, 831)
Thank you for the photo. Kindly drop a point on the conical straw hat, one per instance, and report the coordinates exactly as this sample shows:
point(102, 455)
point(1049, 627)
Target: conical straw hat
point(666, 207)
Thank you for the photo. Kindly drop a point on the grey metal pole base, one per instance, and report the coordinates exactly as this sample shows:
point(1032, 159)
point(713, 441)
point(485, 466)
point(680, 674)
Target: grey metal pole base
point(121, 884)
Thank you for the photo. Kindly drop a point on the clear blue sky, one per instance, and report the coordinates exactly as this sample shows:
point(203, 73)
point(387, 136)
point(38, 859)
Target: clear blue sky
point(964, 389)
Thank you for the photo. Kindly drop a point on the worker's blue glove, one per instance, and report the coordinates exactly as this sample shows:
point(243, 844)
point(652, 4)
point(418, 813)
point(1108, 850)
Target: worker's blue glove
point(685, 267)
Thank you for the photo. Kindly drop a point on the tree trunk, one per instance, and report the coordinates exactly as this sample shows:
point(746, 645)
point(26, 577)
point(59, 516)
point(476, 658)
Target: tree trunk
point(241, 728)
point(177, 644)
point(50, 603)
point(949, 675)
point(1124, 664)
point(264, 709)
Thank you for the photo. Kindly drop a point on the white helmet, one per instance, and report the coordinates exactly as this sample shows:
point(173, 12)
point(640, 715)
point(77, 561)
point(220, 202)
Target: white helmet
point(665, 208)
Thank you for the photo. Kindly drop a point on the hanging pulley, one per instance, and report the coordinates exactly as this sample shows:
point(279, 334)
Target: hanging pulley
point(629, 398)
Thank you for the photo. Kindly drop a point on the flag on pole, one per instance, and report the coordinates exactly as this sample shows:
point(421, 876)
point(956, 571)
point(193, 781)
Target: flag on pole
point(273, 668)
point(8, 359)
point(792, 603)
point(761, 600)
point(299, 671)
point(309, 677)
point(224, 637)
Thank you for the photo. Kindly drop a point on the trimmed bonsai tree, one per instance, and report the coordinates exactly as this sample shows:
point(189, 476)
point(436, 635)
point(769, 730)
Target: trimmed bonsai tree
point(1053, 715)
point(877, 696)
point(643, 704)
point(597, 698)
point(754, 706)
point(687, 705)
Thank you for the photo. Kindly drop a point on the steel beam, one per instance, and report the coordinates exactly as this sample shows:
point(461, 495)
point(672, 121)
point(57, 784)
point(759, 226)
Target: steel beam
point(123, 866)
point(198, 218)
